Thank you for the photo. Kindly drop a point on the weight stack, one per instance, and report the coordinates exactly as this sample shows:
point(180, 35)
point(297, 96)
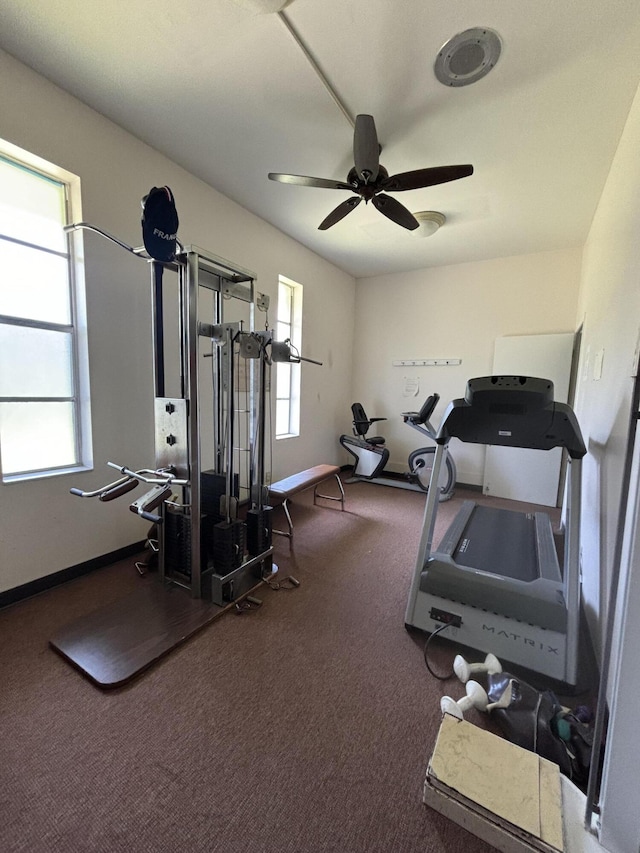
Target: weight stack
point(212, 488)
point(259, 530)
point(229, 539)
point(177, 544)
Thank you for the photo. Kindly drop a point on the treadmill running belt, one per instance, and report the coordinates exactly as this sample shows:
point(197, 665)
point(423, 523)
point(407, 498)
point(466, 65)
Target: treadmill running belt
point(499, 541)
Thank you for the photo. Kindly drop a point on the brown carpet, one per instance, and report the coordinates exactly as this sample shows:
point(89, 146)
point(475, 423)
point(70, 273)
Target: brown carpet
point(306, 725)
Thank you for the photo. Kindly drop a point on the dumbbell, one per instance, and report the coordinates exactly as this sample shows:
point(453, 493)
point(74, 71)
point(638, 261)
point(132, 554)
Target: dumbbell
point(465, 670)
point(476, 698)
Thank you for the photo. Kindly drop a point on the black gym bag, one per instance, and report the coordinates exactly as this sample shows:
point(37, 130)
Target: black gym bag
point(535, 720)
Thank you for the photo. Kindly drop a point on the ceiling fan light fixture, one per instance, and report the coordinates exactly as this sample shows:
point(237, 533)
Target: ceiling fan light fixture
point(468, 56)
point(263, 7)
point(430, 221)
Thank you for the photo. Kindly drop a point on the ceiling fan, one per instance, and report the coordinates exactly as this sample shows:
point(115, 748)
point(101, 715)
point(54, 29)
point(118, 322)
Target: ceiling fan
point(369, 180)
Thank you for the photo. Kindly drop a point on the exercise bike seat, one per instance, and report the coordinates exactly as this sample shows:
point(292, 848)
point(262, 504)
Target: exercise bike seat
point(425, 412)
point(361, 424)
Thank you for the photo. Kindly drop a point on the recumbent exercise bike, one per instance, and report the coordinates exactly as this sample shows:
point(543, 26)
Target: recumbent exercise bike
point(371, 454)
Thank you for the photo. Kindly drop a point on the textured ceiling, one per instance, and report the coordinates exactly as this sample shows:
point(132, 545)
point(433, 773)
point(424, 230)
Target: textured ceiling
point(228, 94)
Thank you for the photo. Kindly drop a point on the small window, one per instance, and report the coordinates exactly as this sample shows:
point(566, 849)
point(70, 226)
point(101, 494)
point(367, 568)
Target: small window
point(289, 327)
point(44, 417)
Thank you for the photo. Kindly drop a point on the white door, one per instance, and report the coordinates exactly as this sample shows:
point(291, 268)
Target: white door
point(518, 473)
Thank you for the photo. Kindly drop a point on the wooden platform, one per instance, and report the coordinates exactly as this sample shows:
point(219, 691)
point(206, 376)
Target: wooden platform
point(506, 795)
point(115, 643)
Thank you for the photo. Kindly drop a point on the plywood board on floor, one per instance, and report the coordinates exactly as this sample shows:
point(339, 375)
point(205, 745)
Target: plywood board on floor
point(113, 644)
point(502, 793)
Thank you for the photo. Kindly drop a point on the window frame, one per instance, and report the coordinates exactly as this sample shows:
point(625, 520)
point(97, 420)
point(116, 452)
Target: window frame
point(294, 334)
point(76, 328)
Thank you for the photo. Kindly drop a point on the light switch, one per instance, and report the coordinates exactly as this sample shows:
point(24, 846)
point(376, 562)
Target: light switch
point(597, 364)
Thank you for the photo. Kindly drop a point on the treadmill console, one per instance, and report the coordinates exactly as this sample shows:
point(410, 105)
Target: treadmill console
point(512, 411)
point(517, 394)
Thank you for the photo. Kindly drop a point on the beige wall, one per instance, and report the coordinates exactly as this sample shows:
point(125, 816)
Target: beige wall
point(609, 305)
point(451, 312)
point(42, 528)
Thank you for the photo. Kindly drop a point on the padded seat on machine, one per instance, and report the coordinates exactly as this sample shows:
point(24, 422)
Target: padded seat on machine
point(280, 492)
point(361, 424)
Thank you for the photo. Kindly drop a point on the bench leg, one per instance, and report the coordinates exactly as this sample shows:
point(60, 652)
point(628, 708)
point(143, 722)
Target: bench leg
point(316, 494)
point(289, 533)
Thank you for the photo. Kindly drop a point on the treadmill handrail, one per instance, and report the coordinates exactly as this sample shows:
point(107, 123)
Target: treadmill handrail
point(512, 411)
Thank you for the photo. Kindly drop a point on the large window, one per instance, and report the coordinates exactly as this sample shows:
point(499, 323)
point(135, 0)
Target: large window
point(44, 418)
point(289, 327)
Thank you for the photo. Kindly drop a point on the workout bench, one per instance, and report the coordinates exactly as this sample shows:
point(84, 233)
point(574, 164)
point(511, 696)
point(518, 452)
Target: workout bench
point(281, 491)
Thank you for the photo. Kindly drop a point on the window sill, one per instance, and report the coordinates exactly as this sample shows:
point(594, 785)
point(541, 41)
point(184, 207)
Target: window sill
point(44, 475)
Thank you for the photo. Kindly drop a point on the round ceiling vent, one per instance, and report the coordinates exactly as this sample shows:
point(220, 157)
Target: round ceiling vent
point(467, 57)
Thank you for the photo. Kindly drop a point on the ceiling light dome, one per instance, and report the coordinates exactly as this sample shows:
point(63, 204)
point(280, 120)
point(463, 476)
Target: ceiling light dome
point(430, 221)
point(263, 7)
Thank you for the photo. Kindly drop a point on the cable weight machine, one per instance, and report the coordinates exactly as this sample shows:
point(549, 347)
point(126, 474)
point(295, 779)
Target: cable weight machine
point(206, 494)
point(204, 543)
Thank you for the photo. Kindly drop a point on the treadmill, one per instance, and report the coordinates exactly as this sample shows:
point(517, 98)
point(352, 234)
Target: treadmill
point(495, 578)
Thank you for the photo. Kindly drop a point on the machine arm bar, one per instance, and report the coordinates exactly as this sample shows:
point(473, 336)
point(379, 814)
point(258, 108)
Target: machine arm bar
point(75, 226)
point(157, 476)
point(284, 351)
point(110, 491)
point(150, 501)
point(129, 481)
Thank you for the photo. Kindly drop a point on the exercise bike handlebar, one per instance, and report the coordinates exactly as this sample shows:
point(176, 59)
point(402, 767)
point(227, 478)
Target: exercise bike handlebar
point(365, 424)
point(420, 420)
point(421, 417)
